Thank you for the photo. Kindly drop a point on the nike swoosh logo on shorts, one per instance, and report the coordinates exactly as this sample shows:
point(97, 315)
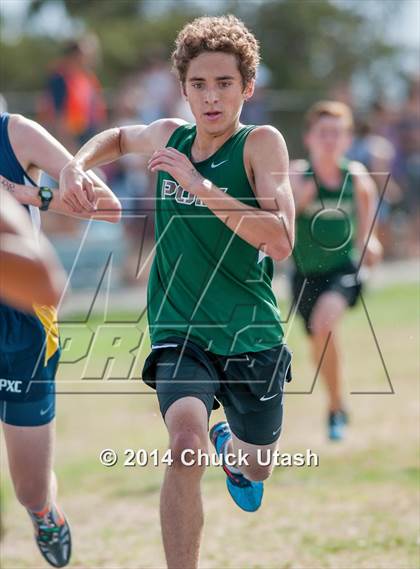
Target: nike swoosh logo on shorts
point(265, 398)
point(275, 432)
point(213, 165)
point(43, 411)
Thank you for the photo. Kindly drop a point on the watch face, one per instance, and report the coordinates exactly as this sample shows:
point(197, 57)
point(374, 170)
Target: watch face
point(46, 196)
point(46, 193)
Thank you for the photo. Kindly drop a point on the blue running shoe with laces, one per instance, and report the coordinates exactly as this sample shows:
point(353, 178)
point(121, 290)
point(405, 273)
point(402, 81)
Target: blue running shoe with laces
point(337, 421)
point(245, 493)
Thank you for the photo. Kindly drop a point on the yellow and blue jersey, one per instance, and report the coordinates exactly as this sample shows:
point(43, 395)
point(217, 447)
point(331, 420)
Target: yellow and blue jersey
point(29, 343)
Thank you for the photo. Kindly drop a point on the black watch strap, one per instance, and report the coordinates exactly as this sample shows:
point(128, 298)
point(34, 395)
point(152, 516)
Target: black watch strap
point(46, 195)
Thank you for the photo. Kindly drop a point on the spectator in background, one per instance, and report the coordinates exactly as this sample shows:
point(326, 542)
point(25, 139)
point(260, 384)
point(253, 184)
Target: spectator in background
point(377, 154)
point(382, 119)
point(73, 107)
point(160, 91)
point(255, 110)
point(407, 162)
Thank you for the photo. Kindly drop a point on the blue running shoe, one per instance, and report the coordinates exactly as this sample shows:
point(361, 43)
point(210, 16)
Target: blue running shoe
point(337, 421)
point(245, 493)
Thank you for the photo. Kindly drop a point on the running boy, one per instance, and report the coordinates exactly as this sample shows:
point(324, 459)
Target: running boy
point(224, 211)
point(335, 203)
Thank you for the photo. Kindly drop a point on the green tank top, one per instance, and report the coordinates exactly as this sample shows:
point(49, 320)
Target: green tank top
point(206, 283)
point(326, 229)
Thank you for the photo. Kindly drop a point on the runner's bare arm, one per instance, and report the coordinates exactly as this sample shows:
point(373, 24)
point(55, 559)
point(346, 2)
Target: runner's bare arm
point(28, 195)
point(270, 227)
point(270, 167)
point(304, 188)
point(109, 146)
point(36, 149)
point(366, 203)
point(33, 272)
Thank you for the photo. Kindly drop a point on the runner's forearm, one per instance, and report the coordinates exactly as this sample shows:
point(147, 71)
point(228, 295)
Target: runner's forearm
point(256, 226)
point(28, 195)
point(103, 148)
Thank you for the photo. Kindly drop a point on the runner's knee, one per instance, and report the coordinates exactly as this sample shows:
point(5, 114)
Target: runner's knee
point(186, 447)
point(323, 322)
point(327, 313)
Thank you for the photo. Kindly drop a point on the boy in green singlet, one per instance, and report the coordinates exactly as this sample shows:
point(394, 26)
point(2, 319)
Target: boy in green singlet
point(224, 211)
point(335, 204)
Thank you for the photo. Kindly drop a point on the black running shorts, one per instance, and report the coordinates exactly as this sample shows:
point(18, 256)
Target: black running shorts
point(250, 386)
point(307, 290)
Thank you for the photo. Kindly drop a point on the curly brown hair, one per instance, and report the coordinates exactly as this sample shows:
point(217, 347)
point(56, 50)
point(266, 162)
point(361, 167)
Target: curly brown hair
point(227, 34)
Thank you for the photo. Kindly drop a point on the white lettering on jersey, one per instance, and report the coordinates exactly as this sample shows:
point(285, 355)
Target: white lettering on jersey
point(12, 385)
point(172, 189)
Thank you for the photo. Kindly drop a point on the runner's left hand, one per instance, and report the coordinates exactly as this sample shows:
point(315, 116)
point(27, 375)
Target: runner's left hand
point(178, 166)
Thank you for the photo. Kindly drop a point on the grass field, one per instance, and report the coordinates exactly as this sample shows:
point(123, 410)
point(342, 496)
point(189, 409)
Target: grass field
point(358, 510)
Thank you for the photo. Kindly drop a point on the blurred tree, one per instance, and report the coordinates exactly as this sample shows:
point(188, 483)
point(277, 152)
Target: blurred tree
point(23, 64)
point(91, 10)
point(127, 37)
point(312, 45)
point(308, 45)
point(315, 48)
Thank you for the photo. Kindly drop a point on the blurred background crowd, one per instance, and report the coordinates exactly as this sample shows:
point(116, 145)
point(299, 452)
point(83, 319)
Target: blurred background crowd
point(81, 66)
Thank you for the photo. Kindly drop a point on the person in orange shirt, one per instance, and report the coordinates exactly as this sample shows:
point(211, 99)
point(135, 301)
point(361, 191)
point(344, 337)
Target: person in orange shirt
point(73, 106)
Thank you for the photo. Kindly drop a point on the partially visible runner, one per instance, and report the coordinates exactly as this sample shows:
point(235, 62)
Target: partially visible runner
point(21, 256)
point(224, 211)
point(29, 341)
point(335, 202)
point(44, 277)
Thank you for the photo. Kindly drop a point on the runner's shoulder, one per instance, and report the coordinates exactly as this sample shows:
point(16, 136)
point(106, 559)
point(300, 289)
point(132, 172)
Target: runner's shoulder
point(265, 140)
point(299, 166)
point(20, 126)
point(356, 168)
point(265, 134)
point(149, 137)
point(163, 129)
point(25, 135)
point(363, 182)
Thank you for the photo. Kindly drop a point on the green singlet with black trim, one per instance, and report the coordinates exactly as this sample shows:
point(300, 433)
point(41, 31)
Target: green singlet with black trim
point(206, 283)
point(326, 228)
